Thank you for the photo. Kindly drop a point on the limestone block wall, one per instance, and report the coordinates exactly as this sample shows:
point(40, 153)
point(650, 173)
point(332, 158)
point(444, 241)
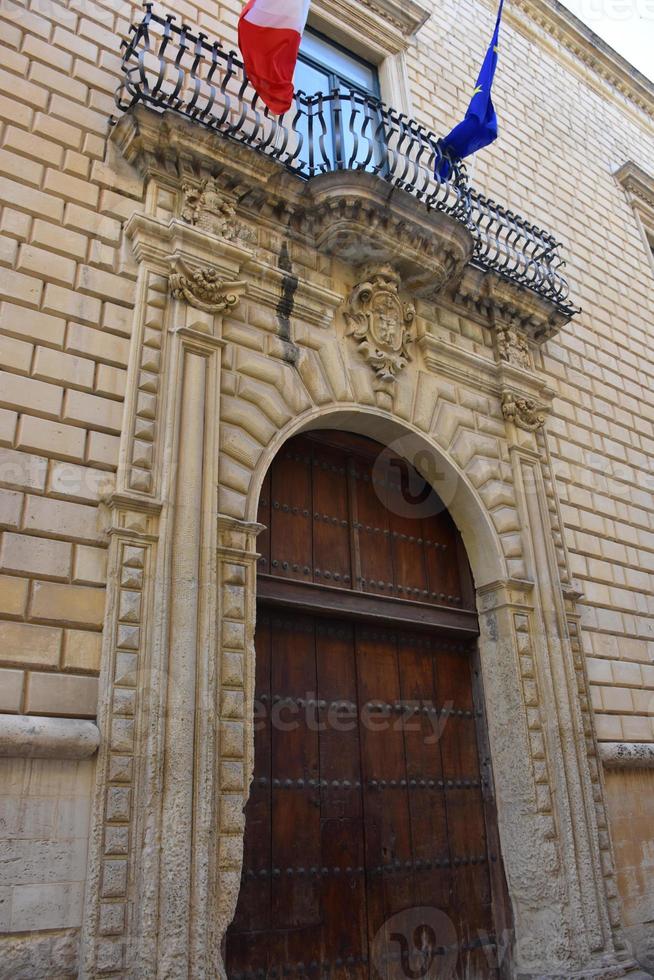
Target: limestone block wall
point(44, 828)
point(630, 801)
point(67, 279)
point(564, 134)
point(67, 294)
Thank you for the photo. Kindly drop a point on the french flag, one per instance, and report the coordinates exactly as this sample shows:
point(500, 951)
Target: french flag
point(269, 35)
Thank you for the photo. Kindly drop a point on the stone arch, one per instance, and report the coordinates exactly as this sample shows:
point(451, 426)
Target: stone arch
point(463, 501)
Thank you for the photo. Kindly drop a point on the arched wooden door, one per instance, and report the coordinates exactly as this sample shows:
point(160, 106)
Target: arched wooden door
point(369, 844)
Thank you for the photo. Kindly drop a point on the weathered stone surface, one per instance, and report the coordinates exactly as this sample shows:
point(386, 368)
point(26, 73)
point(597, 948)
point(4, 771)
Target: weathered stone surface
point(32, 956)
point(31, 737)
point(95, 358)
point(627, 755)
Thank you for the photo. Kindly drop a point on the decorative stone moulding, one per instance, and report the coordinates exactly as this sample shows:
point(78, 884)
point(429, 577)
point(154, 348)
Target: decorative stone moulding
point(351, 215)
point(512, 347)
point(637, 182)
point(614, 76)
point(391, 17)
point(496, 301)
point(627, 755)
point(356, 217)
point(206, 207)
point(639, 186)
point(379, 321)
point(33, 737)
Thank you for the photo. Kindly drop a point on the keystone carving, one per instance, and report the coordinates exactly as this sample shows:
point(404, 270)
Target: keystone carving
point(205, 290)
point(512, 347)
point(205, 207)
point(379, 321)
point(523, 412)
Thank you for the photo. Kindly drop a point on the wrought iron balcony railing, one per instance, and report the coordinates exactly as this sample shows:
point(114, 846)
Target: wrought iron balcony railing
point(169, 67)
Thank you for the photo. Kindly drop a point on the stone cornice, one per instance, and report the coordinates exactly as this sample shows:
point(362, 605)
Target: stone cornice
point(352, 215)
point(493, 301)
point(311, 302)
point(359, 218)
point(390, 23)
point(639, 185)
point(466, 367)
point(165, 244)
point(510, 593)
point(570, 32)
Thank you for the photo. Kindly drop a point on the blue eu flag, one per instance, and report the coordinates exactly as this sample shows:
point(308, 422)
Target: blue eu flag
point(479, 127)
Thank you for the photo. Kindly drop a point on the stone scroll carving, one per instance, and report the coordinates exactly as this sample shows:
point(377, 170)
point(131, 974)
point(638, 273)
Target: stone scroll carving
point(205, 290)
point(523, 412)
point(380, 322)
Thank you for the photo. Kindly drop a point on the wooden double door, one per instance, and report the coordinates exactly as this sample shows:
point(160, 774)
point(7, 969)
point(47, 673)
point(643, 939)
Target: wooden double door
point(370, 849)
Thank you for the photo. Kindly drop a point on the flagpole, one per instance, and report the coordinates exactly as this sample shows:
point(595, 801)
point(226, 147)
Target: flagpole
point(478, 127)
point(473, 166)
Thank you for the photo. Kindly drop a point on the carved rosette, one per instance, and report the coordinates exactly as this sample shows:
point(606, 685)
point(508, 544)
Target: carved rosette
point(205, 290)
point(380, 322)
point(523, 412)
point(205, 207)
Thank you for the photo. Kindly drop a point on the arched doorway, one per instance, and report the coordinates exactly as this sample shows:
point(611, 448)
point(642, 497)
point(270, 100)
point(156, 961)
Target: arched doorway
point(370, 843)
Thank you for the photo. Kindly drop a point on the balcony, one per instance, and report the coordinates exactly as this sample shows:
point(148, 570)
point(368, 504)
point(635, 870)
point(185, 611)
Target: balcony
point(171, 69)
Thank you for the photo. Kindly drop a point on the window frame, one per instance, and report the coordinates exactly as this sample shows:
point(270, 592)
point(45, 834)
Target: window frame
point(333, 75)
point(378, 36)
point(338, 80)
point(639, 186)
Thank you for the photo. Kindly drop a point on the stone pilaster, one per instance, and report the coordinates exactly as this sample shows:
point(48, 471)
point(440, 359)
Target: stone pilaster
point(237, 572)
point(554, 690)
point(153, 852)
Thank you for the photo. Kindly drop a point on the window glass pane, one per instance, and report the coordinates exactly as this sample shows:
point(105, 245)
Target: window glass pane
point(339, 62)
point(309, 79)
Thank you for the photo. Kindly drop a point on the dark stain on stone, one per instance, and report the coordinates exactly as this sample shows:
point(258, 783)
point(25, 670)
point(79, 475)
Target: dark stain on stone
point(286, 304)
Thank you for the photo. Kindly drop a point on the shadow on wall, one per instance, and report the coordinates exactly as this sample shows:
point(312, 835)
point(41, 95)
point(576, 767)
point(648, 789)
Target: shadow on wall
point(630, 801)
point(44, 828)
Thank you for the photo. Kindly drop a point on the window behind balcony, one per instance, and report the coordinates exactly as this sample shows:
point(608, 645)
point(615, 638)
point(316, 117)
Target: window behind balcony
point(347, 117)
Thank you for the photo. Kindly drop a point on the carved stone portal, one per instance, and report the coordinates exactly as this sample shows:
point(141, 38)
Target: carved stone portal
point(380, 322)
point(177, 684)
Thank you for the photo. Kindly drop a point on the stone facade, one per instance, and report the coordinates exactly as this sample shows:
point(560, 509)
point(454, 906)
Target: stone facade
point(150, 375)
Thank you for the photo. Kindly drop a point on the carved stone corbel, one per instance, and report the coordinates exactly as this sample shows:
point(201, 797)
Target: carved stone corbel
point(523, 412)
point(380, 321)
point(205, 290)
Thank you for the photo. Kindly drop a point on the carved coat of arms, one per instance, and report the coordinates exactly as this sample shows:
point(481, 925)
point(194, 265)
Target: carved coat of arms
point(379, 321)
